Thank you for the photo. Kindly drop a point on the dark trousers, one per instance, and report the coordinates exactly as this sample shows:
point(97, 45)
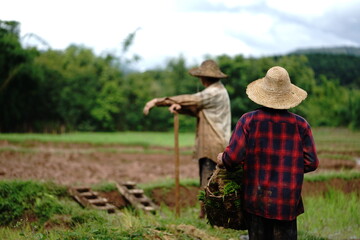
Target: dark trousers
point(270, 229)
point(206, 168)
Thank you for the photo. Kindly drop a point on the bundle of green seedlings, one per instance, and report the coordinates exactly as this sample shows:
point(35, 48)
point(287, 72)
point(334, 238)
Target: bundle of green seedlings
point(222, 199)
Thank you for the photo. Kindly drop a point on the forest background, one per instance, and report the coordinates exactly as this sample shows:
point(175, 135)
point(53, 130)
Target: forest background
point(56, 91)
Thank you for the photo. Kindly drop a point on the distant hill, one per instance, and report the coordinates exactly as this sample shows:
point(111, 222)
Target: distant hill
point(353, 51)
point(336, 63)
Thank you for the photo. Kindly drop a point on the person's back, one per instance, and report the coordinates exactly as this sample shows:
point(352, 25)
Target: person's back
point(276, 148)
point(274, 164)
point(216, 107)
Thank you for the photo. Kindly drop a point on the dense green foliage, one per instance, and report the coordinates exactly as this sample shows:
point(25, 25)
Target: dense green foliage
point(73, 89)
point(334, 67)
point(342, 50)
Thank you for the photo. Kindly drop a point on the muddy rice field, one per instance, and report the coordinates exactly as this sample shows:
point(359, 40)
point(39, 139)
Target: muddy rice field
point(86, 164)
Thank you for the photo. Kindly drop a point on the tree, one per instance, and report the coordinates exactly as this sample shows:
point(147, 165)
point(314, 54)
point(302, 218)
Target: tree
point(18, 81)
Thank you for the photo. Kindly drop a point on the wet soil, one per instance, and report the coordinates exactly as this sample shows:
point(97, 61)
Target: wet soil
point(86, 164)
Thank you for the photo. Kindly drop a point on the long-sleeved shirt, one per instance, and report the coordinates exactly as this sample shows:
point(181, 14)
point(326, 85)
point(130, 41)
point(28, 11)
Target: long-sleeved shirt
point(211, 107)
point(276, 148)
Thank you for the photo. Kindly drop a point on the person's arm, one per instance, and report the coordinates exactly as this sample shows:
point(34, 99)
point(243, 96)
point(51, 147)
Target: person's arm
point(234, 153)
point(149, 105)
point(184, 104)
point(311, 161)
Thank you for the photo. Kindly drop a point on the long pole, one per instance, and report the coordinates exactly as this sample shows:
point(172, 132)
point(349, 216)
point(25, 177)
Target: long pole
point(177, 163)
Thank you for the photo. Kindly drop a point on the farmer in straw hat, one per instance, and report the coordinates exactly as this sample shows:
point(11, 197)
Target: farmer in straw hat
point(276, 148)
point(211, 107)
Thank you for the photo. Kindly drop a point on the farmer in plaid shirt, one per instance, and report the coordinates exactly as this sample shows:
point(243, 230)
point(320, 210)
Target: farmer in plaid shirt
point(276, 148)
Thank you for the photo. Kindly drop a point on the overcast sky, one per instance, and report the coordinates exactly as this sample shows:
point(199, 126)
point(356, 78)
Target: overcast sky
point(191, 28)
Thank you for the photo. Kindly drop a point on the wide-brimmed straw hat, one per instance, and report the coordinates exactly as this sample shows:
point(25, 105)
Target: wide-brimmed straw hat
point(275, 90)
point(208, 68)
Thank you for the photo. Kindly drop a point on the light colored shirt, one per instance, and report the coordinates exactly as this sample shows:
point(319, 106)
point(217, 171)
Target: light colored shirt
point(211, 107)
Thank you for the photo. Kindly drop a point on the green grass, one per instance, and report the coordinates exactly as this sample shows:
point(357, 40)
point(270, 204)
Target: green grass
point(104, 187)
point(145, 139)
point(331, 143)
point(70, 221)
point(21, 147)
point(327, 138)
point(344, 135)
point(334, 215)
point(337, 140)
point(335, 156)
point(341, 141)
point(324, 176)
point(166, 184)
point(17, 198)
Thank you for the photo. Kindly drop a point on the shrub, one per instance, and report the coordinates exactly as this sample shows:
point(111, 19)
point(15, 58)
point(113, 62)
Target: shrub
point(20, 198)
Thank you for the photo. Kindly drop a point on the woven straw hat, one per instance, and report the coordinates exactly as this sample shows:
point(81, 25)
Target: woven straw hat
point(208, 68)
point(275, 90)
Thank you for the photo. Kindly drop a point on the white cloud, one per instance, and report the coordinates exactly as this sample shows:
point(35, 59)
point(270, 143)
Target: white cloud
point(236, 3)
point(193, 28)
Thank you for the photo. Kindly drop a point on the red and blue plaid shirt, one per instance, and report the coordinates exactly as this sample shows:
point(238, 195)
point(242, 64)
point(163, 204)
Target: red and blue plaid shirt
point(276, 148)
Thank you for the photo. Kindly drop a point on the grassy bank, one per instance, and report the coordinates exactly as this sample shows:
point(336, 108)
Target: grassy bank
point(33, 210)
point(327, 139)
point(145, 139)
point(334, 215)
point(324, 176)
point(337, 143)
point(38, 211)
point(332, 143)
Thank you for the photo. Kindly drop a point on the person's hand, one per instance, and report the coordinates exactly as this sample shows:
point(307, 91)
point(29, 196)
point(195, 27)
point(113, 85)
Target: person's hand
point(174, 107)
point(219, 160)
point(149, 105)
